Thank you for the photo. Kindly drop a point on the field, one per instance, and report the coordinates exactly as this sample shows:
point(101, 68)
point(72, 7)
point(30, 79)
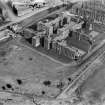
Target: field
point(94, 88)
point(32, 68)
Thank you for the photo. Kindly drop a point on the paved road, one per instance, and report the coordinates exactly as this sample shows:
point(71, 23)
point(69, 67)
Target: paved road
point(32, 17)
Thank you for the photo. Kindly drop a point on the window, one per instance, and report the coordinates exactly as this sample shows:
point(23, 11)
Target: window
point(70, 33)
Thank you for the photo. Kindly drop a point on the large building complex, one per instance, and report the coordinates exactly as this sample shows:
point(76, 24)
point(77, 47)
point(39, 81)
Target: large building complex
point(54, 55)
point(64, 34)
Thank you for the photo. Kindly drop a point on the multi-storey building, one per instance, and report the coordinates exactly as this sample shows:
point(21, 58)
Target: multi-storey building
point(58, 30)
point(49, 24)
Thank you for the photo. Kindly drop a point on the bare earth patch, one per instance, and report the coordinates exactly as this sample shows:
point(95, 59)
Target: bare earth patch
point(19, 62)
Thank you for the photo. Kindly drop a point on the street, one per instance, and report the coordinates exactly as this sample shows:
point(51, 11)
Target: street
point(32, 17)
